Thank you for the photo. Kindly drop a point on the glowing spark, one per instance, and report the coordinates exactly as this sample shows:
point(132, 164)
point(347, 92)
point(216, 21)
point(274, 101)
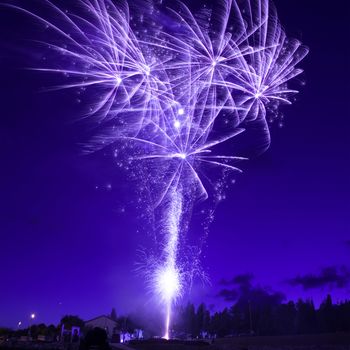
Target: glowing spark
point(180, 155)
point(168, 283)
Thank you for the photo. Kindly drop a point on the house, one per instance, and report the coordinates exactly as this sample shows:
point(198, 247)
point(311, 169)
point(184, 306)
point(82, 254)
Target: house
point(104, 322)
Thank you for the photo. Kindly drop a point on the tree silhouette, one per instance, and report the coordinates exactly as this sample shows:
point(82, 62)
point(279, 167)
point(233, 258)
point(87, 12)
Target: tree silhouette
point(70, 321)
point(113, 314)
point(268, 316)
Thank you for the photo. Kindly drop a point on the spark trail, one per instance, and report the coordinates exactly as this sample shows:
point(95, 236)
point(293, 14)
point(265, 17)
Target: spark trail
point(168, 87)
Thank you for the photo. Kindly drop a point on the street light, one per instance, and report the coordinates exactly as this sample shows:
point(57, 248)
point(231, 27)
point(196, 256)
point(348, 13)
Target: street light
point(19, 324)
point(32, 317)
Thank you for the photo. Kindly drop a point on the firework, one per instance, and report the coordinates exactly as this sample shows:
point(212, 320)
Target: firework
point(173, 85)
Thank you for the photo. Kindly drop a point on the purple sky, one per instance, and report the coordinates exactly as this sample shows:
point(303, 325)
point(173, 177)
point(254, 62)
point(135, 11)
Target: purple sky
point(67, 247)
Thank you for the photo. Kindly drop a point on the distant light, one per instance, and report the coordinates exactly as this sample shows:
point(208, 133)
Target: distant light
point(180, 155)
point(147, 70)
point(32, 316)
point(177, 124)
point(19, 323)
point(181, 111)
point(261, 91)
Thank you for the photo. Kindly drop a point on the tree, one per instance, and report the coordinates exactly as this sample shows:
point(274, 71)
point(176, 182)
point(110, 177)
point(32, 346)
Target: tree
point(285, 319)
point(114, 315)
point(306, 317)
point(96, 338)
point(5, 331)
point(70, 321)
point(326, 316)
point(52, 331)
point(190, 319)
point(343, 316)
point(221, 323)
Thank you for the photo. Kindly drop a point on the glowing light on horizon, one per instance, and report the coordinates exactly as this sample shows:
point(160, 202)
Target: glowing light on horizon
point(170, 92)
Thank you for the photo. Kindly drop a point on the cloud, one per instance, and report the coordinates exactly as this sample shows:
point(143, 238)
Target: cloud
point(243, 291)
point(228, 294)
point(243, 279)
point(328, 277)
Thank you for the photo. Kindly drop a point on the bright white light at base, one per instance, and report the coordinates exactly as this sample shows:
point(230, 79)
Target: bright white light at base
point(168, 283)
point(177, 124)
point(181, 111)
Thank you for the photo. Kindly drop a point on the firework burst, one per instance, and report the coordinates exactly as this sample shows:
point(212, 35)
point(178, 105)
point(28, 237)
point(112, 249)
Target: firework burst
point(173, 85)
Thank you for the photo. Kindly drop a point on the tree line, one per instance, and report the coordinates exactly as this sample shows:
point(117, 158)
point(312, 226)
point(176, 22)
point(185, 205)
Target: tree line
point(264, 316)
point(268, 317)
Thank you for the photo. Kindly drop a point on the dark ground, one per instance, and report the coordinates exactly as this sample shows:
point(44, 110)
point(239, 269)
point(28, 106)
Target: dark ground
point(339, 341)
point(307, 342)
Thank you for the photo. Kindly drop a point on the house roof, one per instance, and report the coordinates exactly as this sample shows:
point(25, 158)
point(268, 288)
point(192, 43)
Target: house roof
point(102, 316)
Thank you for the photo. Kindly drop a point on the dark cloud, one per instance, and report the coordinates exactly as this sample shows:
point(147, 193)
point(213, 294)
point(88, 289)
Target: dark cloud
point(228, 294)
point(243, 291)
point(243, 279)
point(328, 277)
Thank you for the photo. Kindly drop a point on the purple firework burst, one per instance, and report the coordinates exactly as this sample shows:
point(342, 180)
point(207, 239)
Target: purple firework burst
point(171, 86)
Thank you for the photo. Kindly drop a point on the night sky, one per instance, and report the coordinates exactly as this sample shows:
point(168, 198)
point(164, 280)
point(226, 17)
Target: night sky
point(69, 234)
